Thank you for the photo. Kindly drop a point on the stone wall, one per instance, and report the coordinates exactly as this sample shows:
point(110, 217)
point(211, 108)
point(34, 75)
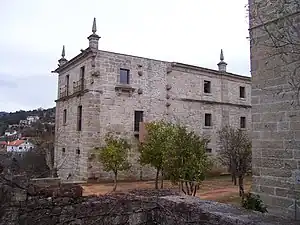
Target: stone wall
point(275, 103)
point(162, 90)
point(140, 208)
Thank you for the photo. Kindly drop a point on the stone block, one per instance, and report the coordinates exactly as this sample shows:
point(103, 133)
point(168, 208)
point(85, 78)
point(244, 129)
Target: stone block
point(267, 190)
point(256, 118)
point(273, 181)
point(279, 154)
point(275, 172)
point(279, 163)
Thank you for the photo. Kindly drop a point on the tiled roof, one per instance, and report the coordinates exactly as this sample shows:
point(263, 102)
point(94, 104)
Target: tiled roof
point(3, 143)
point(15, 143)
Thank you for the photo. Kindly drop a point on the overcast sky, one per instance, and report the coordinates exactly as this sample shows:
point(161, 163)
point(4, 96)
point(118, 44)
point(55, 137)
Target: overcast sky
point(190, 31)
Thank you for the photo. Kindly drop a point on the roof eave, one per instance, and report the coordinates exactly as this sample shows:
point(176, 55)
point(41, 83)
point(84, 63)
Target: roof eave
point(78, 57)
point(202, 69)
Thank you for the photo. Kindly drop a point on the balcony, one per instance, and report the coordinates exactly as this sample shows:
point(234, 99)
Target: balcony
point(78, 86)
point(63, 92)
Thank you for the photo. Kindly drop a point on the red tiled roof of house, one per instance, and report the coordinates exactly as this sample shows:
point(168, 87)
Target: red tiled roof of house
point(3, 143)
point(15, 143)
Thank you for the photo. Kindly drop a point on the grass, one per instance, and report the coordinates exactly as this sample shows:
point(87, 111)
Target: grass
point(218, 189)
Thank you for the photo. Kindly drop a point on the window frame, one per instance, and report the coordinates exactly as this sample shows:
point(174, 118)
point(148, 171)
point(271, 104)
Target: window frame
point(138, 117)
point(209, 124)
point(207, 82)
point(67, 84)
point(127, 74)
point(64, 116)
point(79, 118)
point(82, 77)
point(242, 92)
point(208, 150)
point(243, 122)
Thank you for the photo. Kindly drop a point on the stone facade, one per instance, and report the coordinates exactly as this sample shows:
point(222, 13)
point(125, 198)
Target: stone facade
point(275, 103)
point(162, 90)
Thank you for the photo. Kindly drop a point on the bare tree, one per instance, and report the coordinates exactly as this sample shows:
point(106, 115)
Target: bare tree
point(235, 153)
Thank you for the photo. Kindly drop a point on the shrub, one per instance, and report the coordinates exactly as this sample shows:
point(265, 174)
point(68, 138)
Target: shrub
point(253, 202)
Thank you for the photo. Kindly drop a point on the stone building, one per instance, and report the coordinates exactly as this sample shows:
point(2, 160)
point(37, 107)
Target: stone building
point(275, 41)
point(100, 91)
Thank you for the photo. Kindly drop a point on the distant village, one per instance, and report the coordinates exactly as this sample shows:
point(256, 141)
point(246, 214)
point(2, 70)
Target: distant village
point(16, 136)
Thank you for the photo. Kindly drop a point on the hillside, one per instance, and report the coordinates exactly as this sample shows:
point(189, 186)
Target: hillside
point(46, 115)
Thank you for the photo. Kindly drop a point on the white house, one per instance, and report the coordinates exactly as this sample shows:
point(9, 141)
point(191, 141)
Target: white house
point(10, 133)
point(32, 119)
point(19, 146)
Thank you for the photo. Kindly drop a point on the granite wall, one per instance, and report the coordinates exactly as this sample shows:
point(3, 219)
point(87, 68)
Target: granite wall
point(275, 102)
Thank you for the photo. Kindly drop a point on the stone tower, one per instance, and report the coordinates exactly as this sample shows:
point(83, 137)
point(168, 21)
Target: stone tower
point(275, 38)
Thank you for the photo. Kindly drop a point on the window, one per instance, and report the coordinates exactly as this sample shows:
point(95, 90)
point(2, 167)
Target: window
point(242, 92)
point(63, 150)
point(78, 151)
point(207, 119)
point(124, 76)
point(67, 84)
point(20, 147)
point(208, 150)
point(65, 116)
point(79, 118)
point(243, 122)
point(82, 70)
point(138, 117)
point(207, 86)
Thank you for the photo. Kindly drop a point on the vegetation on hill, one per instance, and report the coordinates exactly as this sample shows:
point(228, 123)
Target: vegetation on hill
point(46, 115)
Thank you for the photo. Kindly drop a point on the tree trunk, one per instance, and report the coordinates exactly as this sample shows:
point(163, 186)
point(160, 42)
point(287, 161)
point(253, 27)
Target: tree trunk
point(162, 179)
point(115, 181)
point(156, 178)
point(234, 178)
point(191, 188)
point(181, 186)
point(187, 188)
point(195, 190)
point(241, 186)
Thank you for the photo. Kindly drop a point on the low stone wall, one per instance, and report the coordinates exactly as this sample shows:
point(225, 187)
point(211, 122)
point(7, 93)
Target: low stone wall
point(46, 181)
point(141, 208)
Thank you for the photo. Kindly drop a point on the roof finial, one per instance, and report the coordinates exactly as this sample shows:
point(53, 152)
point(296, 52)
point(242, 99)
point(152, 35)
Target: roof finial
point(221, 55)
point(222, 65)
point(94, 29)
point(63, 53)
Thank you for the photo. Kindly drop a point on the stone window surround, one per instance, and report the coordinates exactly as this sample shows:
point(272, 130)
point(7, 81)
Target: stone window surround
point(128, 78)
point(243, 124)
point(207, 87)
point(242, 92)
point(65, 117)
point(79, 118)
point(206, 116)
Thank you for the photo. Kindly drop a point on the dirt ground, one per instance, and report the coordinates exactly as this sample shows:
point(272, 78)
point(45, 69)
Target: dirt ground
point(218, 189)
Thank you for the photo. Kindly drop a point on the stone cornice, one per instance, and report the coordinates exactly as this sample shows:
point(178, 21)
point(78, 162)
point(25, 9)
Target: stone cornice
point(76, 94)
point(74, 60)
point(179, 66)
point(214, 102)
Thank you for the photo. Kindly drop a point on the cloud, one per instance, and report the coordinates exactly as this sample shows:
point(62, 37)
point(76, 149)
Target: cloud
point(28, 92)
point(191, 32)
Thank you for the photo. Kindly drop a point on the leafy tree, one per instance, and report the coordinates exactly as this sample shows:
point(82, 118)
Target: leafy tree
point(186, 161)
point(158, 140)
point(180, 154)
point(114, 155)
point(235, 153)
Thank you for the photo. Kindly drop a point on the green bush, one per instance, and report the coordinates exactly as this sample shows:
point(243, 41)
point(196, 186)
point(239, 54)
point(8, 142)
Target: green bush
point(253, 202)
